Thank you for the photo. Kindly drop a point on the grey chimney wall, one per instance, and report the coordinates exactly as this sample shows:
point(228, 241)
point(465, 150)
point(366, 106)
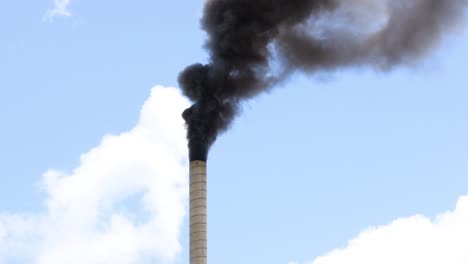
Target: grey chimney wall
point(198, 213)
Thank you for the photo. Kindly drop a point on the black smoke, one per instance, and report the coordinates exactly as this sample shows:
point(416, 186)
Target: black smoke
point(254, 44)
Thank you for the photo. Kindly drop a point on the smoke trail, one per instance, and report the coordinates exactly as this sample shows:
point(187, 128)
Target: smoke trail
point(247, 36)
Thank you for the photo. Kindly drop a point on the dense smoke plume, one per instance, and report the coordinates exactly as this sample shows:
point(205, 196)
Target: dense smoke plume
point(254, 44)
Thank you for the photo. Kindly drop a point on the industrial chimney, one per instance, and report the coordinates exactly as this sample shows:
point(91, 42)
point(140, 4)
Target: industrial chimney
point(198, 228)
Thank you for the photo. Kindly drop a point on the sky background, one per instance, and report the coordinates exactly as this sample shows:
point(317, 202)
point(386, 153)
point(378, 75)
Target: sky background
point(305, 168)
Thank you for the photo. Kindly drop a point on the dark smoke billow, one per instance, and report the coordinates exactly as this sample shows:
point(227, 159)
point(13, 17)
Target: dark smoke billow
point(254, 44)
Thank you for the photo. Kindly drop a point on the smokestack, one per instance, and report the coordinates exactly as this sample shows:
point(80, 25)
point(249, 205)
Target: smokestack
point(254, 45)
point(198, 206)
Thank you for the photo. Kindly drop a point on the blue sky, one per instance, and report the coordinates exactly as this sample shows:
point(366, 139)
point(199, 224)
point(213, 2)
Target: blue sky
point(305, 169)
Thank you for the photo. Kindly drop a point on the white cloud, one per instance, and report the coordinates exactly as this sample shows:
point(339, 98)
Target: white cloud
point(60, 9)
point(410, 240)
point(125, 202)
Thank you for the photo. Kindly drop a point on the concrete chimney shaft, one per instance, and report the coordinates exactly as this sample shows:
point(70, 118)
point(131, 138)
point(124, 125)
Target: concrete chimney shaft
point(198, 229)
